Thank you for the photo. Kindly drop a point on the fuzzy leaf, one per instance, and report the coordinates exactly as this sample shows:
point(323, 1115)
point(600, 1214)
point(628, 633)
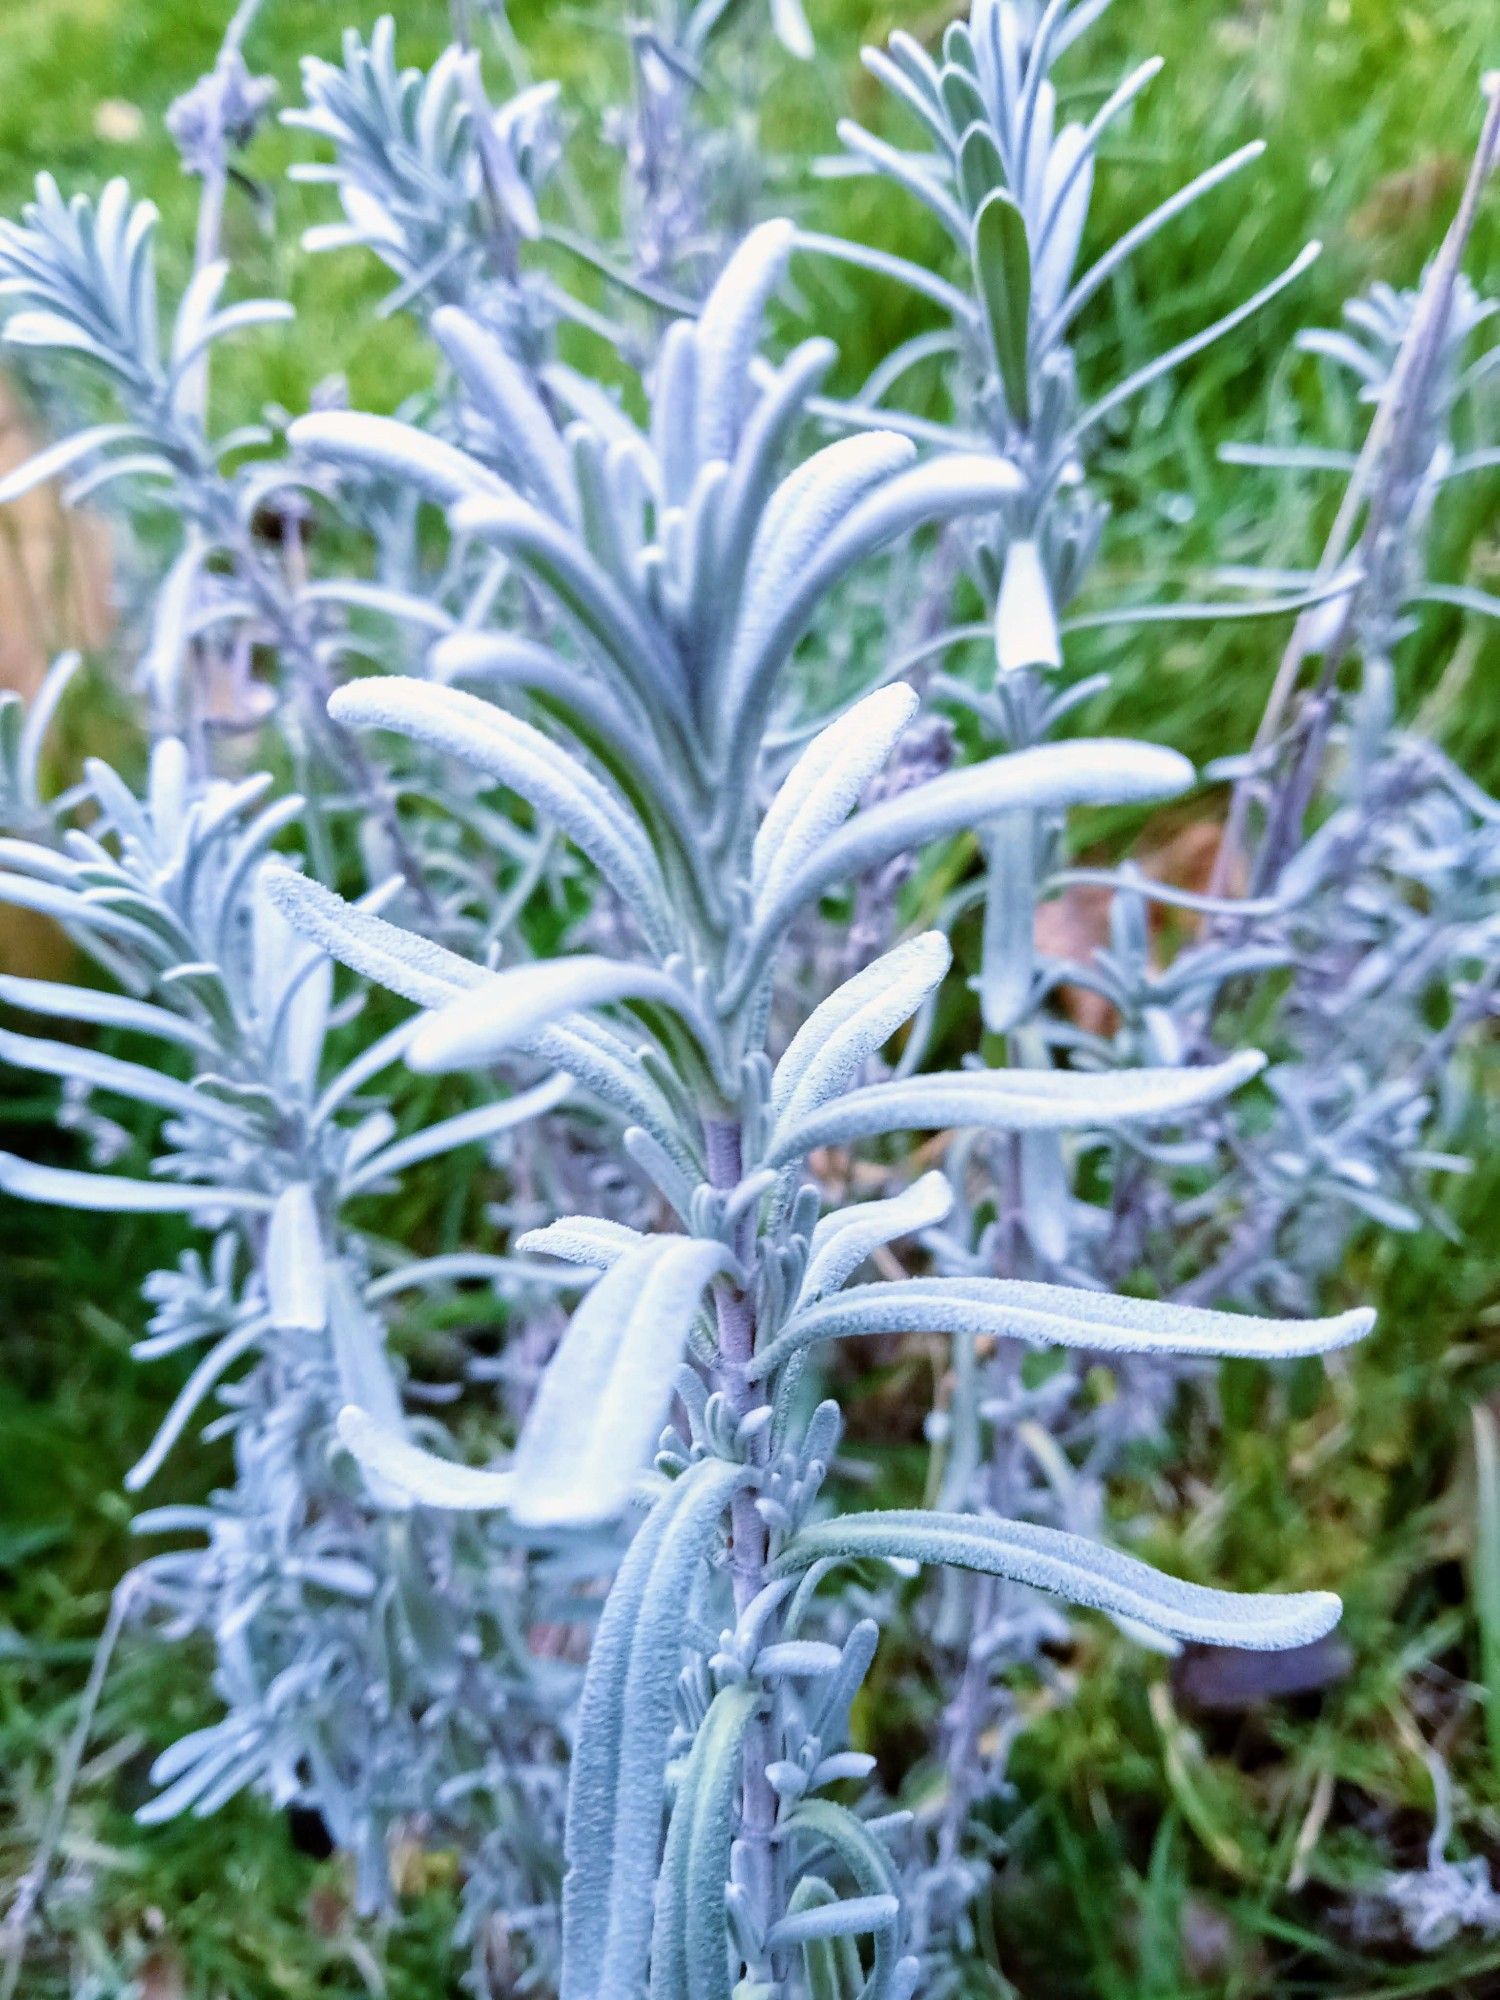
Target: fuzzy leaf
point(114, 1194)
point(409, 965)
point(729, 331)
point(590, 1240)
point(823, 786)
point(1026, 632)
point(690, 1945)
point(1061, 1315)
point(389, 449)
point(465, 1128)
point(1013, 1100)
point(1072, 1567)
point(405, 1469)
point(1050, 778)
point(501, 391)
point(510, 752)
point(509, 1009)
point(1007, 950)
point(603, 1398)
point(842, 1241)
point(617, 1783)
point(832, 1047)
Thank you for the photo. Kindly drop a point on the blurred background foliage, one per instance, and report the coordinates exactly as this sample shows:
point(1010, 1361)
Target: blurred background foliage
point(1163, 1843)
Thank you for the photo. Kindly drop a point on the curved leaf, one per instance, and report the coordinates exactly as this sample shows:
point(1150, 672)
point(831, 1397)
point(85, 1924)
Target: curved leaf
point(509, 1009)
point(1012, 1100)
point(1071, 1567)
point(1049, 778)
point(1060, 1315)
point(831, 1048)
point(603, 1397)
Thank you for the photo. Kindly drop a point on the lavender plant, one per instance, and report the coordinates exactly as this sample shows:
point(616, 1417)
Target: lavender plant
point(435, 182)
point(690, 185)
point(372, 1664)
point(704, 1849)
point(667, 736)
point(378, 1674)
point(1243, 1210)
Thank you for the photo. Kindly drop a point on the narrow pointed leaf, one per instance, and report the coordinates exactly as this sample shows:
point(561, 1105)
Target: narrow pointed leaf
point(1070, 1566)
point(422, 1476)
point(510, 1008)
point(1052, 777)
point(1060, 1315)
point(1013, 1101)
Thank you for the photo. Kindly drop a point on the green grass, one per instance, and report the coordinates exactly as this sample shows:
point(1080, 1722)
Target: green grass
point(1158, 1854)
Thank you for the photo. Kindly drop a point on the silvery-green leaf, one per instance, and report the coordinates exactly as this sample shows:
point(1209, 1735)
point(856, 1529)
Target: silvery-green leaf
point(389, 449)
point(911, 171)
point(505, 395)
point(690, 1943)
point(162, 664)
point(220, 1358)
point(41, 712)
point(113, 1193)
point(1013, 1101)
point(412, 966)
point(617, 1782)
point(1007, 950)
point(1057, 1315)
point(1049, 778)
point(817, 1827)
point(945, 488)
point(1066, 191)
point(1043, 1188)
point(843, 1917)
point(1072, 1567)
point(792, 31)
point(590, 711)
point(357, 1338)
point(510, 752)
point(980, 167)
point(594, 601)
point(591, 1240)
point(97, 1008)
point(603, 1397)
point(1002, 270)
point(111, 1073)
point(465, 1128)
point(823, 786)
point(1163, 364)
point(62, 456)
point(405, 1469)
point(842, 1241)
point(831, 1048)
point(1125, 246)
point(233, 319)
point(294, 1260)
point(509, 1009)
point(803, 512)
point(728, 333)
point(292, 982)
